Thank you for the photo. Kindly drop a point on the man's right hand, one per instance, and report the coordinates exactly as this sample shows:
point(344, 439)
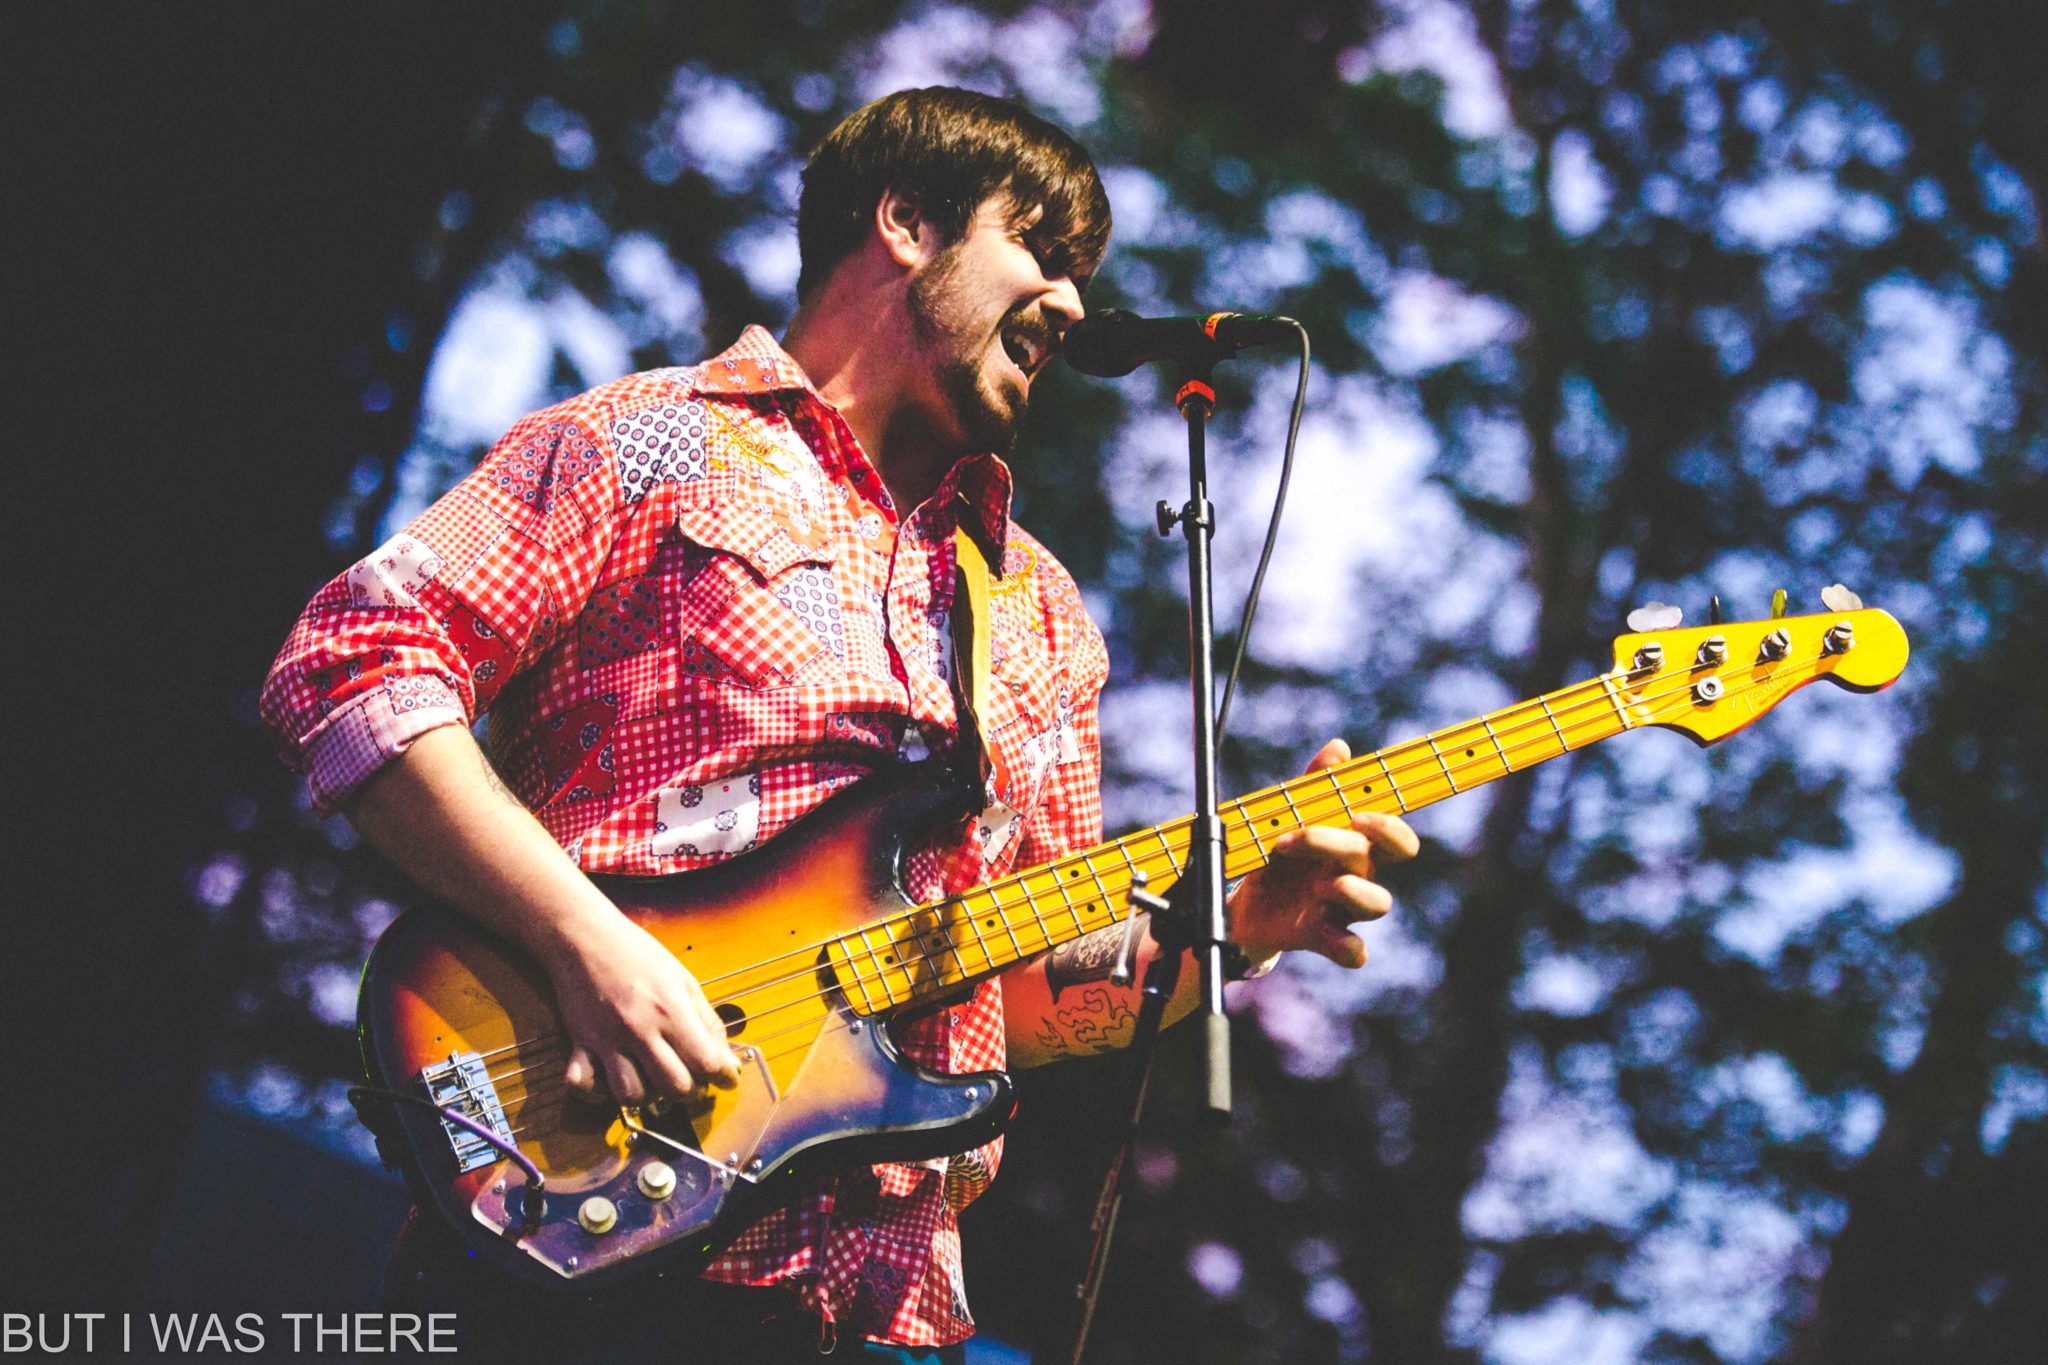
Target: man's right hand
point(638, 1022)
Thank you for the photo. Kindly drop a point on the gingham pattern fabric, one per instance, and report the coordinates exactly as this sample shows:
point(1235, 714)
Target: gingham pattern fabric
point(692, 611)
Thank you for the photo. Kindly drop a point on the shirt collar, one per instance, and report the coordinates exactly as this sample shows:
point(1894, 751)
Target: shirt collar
point(979, 484)
point(755, 363)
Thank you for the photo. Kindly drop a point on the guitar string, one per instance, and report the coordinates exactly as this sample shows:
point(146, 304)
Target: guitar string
point(1311, 811)
point(996, 890)
point(1594, 698)
point(1240, 808)
point(859, 976)
point(555, 1101)
point(546, 1106)
point(1336, 794)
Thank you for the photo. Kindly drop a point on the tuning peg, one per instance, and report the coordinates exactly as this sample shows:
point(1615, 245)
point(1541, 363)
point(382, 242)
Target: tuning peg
point(1835, 597)
point(1778, 605)
point(1776, 645)
point(1655, 616)
point(1714, 610)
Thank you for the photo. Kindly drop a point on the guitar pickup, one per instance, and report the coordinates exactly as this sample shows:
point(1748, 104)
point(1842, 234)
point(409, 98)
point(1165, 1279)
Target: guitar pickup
point(463, 1083)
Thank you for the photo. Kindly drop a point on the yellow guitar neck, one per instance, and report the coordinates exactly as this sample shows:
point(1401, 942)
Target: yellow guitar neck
point(1705, 681)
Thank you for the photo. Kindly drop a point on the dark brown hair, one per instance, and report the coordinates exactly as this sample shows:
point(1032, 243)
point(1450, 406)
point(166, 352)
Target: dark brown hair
point(951, 151)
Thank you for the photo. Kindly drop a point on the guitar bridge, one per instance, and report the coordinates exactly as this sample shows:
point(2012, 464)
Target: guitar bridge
point(463, 1083)
point(648, 1211)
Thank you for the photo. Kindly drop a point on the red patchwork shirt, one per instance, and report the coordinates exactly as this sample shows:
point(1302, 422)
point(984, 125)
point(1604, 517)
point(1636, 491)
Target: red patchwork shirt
point(692, 611)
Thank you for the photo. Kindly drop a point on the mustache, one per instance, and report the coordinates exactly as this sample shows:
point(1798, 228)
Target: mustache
point(1030, 325)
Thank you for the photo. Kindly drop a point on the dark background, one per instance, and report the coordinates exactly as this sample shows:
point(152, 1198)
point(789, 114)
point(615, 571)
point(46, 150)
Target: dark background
point(215, 203)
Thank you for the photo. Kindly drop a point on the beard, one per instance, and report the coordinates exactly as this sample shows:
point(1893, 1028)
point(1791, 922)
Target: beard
point(987, 421)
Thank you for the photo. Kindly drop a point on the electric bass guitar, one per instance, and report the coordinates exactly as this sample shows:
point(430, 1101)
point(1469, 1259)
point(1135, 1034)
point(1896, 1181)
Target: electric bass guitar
point(808, 947)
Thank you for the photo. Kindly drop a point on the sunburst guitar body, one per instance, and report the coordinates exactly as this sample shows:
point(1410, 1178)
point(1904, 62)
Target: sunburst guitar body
point(460, 1016)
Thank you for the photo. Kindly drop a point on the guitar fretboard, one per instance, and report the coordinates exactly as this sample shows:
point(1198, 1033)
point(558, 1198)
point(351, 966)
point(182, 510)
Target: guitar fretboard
point(942, 947)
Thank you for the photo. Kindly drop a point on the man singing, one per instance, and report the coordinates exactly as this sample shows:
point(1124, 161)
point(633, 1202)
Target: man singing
point(697, 601)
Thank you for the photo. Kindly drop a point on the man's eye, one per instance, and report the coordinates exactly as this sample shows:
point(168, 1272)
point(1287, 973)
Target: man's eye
point(1049, 263)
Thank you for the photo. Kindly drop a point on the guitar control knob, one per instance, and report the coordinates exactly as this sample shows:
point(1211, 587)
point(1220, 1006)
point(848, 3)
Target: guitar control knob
point(598, 1215)
point(657, 1180)
point(1776, 645)
point(1650, 656)
point(1713, 650)
point(1840, 639)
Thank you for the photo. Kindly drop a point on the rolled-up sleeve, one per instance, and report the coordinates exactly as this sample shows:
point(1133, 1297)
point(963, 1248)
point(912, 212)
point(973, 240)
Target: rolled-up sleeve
point(426, 629)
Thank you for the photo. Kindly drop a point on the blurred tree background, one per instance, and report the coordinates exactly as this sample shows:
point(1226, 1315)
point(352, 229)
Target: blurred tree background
point(1668, 1055)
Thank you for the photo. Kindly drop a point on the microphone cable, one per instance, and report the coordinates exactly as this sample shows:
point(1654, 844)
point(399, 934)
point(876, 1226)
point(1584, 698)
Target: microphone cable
point(1251, 599)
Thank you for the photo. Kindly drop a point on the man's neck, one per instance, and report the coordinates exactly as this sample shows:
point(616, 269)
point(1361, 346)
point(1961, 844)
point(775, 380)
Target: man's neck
point(854, 358)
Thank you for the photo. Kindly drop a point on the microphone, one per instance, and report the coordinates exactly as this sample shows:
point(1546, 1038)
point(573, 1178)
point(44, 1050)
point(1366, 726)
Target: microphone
point(1113, 342)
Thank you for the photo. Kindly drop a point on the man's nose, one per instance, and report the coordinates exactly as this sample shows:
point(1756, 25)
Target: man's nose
point(1063, 306)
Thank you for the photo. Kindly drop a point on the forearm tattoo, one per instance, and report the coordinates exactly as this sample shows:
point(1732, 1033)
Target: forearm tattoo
point(1088, 958)
point(1099, 1020)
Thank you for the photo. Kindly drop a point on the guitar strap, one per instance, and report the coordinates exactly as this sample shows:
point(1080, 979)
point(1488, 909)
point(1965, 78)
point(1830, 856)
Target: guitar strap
point(971, 626)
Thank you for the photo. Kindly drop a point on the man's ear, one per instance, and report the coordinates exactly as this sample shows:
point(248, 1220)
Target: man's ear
point(907, 235)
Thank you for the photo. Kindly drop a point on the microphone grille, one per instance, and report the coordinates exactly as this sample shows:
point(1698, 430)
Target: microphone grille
point(1088, 345)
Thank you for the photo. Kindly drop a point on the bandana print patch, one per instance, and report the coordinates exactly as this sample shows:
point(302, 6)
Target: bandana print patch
point(548, 464)
point(810, 592)
point(576, 753)
point(708, 820)
point(391, 574)
point(661, 445)
point(623, 619)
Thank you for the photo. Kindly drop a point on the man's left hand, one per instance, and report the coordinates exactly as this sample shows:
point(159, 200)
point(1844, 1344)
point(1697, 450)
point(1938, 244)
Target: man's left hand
point(1319, 882)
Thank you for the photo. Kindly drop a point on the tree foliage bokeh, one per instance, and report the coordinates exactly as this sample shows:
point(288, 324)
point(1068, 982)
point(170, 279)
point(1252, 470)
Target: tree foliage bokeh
point(1669, 1055)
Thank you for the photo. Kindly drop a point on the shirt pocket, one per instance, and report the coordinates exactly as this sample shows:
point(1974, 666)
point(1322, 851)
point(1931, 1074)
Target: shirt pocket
point(758, 603)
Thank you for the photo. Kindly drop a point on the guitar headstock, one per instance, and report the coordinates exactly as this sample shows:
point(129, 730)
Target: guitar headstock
point(1710, 681)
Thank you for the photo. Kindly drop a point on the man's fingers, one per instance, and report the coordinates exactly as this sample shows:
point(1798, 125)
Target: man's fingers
point(667, 1070)
point(1389, 835)
point(1354, 898)
point(1330, 755)
point(580, 1075)
point(1370, 834)
point(703, 1042)
point(709, 1055)
point(1348, 848)
point(622, 1079)
point(1320, 878)
point(1341, 946)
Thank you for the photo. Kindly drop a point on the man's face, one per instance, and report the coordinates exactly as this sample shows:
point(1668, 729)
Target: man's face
point(986, 317)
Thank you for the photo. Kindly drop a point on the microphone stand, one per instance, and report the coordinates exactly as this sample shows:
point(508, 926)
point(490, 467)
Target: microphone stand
point(1193, 917)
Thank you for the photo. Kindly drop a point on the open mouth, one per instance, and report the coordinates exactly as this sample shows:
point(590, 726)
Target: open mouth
point(1027, 349)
